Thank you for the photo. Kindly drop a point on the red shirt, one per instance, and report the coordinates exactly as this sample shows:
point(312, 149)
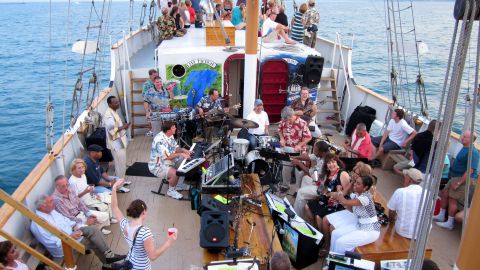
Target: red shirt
point(295, 132)
point(362, 145)
point(192, 14)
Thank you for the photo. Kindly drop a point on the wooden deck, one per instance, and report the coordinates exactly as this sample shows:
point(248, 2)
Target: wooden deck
point(186, 253)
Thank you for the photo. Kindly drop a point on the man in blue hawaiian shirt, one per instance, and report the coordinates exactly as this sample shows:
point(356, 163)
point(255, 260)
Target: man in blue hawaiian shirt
point(165, 156)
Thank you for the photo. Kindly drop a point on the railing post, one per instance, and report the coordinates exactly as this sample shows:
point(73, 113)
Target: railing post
point(68, 256)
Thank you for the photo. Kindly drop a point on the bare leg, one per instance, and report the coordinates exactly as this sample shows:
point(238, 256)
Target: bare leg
point(172, 177)
point(444, 198)
point(327, 229)
point(378, 153)
point(308, 215)
point(319, 222)
point(452, 207)
point(284, 35)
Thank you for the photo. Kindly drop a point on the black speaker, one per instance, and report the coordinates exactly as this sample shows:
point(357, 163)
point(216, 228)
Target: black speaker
point(313, 70)
point(214, 231)
point(209, 203)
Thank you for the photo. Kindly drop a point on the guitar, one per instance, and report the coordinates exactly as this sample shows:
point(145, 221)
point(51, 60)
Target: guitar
point(308, 118)
point(213, 113)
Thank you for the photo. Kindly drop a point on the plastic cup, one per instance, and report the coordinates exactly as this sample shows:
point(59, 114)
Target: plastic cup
point(172, 231)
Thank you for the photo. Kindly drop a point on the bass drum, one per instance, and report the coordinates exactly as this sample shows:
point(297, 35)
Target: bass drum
point(256, 164)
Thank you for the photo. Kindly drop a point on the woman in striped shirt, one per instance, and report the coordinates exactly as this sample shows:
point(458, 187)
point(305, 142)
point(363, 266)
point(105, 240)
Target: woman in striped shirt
point(144, 250)
point(297, 24)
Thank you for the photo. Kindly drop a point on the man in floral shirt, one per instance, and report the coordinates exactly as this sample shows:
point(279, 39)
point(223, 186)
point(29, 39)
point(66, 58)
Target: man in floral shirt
point(166, 25)
point(294, 136)
point(164, 156)
point(311, 18)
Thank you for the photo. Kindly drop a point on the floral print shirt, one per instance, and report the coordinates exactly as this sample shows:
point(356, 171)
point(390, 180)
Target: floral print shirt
point(294, 132)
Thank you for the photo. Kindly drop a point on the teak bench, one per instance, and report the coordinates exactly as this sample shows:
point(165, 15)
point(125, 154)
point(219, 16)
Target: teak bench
point(390, 245)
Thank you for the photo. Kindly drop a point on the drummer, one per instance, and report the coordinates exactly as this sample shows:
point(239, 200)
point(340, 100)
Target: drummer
point(294, 136)
point(259, 116)
point(306, 109)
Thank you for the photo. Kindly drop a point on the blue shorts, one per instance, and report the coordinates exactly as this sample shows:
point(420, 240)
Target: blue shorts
point(388, 145)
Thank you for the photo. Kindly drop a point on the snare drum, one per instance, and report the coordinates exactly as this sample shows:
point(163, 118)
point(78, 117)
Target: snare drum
point(256, 164)
point(240, 148)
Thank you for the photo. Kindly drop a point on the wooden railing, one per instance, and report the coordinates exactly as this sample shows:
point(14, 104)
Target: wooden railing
point(68, 242)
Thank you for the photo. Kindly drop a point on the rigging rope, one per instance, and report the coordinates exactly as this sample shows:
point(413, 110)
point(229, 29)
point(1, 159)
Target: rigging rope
point(430, 190)
point(49, 131)
point(143, 13)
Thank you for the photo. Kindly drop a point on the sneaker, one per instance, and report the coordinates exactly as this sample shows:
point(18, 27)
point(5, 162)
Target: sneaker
point(106, 232)
point(123, 190)
point(446, 225)
point(113, 221)
point(149, 133)
point(439, 218)
point(182, 186)
point(127, 182)
point(174, 194)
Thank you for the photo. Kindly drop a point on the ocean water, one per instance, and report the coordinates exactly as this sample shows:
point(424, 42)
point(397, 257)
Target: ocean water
point(33, 62)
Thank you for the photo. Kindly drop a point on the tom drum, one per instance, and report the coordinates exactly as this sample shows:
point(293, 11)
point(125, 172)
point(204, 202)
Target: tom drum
point(240, 148)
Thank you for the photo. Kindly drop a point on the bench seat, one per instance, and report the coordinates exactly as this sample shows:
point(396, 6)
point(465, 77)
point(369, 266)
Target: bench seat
point(391, 158)
point(390, 245)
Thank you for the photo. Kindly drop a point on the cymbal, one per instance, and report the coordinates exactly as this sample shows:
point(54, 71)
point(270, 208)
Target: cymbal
point(243, 123)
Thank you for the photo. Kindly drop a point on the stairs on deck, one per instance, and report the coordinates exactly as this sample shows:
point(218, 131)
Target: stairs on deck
point(328, 112)
point(136, 104)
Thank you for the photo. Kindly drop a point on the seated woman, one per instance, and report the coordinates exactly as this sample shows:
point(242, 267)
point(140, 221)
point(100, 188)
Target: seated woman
point(335, 179)
point(239, 20)
point(343, 217)
point(179, 23)
point(78, 183)
point(141, 243)
point(363, 227)
point(10, 257)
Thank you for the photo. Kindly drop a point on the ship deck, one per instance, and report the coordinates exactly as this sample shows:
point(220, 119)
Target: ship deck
point(164, 212)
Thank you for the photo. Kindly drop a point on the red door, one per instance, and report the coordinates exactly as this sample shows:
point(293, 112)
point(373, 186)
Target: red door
point(273, 82)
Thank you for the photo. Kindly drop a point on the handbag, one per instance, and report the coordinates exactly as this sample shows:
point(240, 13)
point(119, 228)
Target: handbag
point(127, 265)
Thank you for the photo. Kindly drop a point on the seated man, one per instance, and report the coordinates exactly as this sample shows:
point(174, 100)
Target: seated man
point(95, 174)
point(405, 203)
point(71, 206)
point(306, 109)
point(420, 151)
point(166, 156)
point(259, 116)
point(272, 30)
point(308, 187)
point(294, 136)
point(360, 144)
point(397, 135)
point(453, 195)
point(87, 235)
point(166, 25)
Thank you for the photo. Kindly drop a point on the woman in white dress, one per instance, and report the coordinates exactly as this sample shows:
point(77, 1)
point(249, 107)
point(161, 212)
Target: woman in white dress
point(10, 257)
point(365, 228)
point(99, 202)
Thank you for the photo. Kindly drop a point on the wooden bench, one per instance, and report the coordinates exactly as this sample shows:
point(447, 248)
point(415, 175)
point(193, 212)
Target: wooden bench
point(392, 158)
point(390, 245)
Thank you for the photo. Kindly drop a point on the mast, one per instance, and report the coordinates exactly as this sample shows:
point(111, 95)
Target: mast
point(250, 69)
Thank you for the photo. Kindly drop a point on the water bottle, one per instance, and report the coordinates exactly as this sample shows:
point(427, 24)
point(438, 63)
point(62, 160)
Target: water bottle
point(315, 175)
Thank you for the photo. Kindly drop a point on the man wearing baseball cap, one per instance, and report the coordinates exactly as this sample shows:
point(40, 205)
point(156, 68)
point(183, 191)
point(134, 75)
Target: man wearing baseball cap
point(259, 116)
point(405, 203)
point(95, 174)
